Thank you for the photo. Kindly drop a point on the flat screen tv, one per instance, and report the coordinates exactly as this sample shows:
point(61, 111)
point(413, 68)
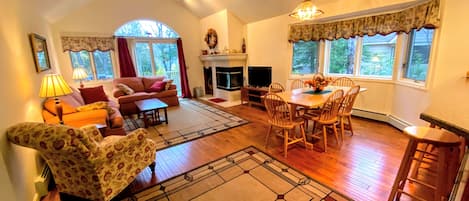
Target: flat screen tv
point(259, 76)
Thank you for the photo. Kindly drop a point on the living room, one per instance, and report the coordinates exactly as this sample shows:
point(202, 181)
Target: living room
point(266, 42)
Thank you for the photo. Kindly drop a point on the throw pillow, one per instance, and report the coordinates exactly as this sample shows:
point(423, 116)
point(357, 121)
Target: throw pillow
point(158, 86)
point(93, 94)
point(126, 89)
point(168, 84)
point(96, 106)
point(49, 105)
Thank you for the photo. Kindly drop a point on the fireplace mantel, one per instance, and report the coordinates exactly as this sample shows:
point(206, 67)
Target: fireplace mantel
point(224, 57)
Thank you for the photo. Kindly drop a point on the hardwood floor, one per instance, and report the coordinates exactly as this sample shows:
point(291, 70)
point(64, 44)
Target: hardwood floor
point(364, 167)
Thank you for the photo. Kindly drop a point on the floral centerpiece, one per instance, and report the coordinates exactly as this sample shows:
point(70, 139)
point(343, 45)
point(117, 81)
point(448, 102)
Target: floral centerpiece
point(319, 82)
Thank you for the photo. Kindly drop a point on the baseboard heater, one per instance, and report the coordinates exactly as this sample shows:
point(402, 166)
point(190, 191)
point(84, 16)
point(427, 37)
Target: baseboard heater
point(387, 118)
point(41, 183)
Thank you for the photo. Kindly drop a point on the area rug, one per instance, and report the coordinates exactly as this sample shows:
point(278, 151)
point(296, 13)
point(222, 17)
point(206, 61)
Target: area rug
point(246, 175)
point(217, 100)
point(188, 121)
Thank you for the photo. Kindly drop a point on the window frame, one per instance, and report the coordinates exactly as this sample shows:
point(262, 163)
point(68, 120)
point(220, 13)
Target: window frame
point(320, 52)
point(150, 41)
point(93, 65)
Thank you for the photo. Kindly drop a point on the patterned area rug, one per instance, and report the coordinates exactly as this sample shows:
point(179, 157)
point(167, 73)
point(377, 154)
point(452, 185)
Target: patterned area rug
point(249, 174)
point(189, 121)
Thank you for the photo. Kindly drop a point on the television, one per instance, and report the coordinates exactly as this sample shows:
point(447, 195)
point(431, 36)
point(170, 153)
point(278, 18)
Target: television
point(259, 76)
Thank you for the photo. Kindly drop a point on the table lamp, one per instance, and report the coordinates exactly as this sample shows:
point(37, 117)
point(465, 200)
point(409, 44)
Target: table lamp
point(54, 85)
point(79, 74)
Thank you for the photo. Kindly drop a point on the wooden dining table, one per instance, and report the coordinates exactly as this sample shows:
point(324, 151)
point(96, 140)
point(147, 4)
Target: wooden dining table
point(308, 98)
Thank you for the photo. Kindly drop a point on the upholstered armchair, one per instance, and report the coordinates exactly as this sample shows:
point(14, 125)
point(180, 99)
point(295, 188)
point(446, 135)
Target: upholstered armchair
point(83, 163)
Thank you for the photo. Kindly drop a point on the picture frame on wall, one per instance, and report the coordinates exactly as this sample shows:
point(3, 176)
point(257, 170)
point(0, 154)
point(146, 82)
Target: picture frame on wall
point(40, 52)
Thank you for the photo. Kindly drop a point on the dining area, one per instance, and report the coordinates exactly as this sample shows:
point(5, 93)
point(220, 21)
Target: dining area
point(308, 111)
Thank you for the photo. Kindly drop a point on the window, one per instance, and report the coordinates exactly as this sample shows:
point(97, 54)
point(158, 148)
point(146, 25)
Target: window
point(305, 57)
point(342, 56)
point(155, 50)
point(418, 53)
point(98, 64)
point(377, 57)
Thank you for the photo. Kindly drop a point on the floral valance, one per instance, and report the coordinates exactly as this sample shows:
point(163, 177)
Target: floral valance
point(421, 16)
point(76, 44)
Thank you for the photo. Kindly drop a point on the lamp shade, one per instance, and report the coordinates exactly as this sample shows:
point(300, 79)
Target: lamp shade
point(54, 85)
point(79, 74)
point(306, 11)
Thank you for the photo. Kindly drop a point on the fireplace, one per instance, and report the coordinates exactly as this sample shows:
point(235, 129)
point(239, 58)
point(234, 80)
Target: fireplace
point(229, 78)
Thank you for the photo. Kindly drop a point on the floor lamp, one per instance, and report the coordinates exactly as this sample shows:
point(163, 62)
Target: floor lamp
point(54, 85)
point(79, 74)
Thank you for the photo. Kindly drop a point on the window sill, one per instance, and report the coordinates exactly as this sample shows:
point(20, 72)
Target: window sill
point(411, 84)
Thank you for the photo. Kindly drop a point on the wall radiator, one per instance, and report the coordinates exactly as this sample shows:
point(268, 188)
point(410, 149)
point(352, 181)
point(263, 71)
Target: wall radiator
point(41, 183)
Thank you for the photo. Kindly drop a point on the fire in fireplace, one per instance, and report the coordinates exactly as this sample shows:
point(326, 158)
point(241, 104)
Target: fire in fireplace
point(229, 78)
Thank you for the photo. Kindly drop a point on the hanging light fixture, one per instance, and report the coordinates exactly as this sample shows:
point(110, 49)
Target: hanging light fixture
point(306, 11)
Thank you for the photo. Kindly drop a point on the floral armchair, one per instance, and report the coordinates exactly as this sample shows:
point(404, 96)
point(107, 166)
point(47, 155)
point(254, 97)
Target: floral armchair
point(83, 163)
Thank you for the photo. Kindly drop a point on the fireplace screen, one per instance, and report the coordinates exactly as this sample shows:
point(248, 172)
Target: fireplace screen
point(229, 78)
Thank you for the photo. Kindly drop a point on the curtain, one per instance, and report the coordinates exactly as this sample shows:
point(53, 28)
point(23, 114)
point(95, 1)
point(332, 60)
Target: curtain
point(125, 60)
point(91, 44)
point(185, 90)
point(425, 15)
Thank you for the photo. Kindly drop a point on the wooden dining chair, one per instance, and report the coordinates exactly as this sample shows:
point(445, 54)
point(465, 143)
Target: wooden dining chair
point(343, 82)
point(327, 116)
point(276, 87)
point(345, 111)
point(277, 110)
point(297, 84)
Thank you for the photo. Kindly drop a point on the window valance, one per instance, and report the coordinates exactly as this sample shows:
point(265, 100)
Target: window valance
point(76, 44)
point(425, 15)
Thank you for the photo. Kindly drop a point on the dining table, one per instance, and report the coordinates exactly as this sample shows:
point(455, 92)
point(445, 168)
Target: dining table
point(309, 98)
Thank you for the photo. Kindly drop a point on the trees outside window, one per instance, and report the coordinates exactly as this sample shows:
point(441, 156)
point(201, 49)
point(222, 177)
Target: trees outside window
point(342, 55)
point(305, 57)
point(98, 64)
point(418, 54)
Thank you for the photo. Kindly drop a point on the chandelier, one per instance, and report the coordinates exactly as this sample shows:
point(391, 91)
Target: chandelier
point(306, 11)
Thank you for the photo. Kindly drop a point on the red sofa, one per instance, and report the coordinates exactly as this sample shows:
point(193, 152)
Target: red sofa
point(140, 86)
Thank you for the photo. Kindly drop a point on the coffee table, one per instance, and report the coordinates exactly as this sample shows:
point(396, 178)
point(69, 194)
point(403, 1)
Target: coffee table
point(149, 108)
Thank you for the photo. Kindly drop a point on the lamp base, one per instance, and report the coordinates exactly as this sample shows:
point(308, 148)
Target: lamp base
point(58, 108)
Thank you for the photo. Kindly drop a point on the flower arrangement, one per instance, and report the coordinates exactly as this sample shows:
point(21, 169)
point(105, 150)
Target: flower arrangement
point(318, 82)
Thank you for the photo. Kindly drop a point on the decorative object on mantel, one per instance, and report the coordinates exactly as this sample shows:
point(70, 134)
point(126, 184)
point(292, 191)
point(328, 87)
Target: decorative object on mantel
point(40, 53)
point(243, 46)
point(306, 11)
point(79, 74)
point(211, 39)
point(54, 85)
point(319, 82)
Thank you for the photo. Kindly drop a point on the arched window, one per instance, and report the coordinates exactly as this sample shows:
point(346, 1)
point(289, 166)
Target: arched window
point(153, 45)
point(146, 28)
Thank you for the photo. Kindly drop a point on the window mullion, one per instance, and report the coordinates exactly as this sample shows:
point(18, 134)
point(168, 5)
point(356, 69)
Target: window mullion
point(93, 67)
point(153, 63)
point(358, 55)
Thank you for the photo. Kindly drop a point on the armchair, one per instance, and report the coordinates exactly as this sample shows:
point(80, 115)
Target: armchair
point(83, 163)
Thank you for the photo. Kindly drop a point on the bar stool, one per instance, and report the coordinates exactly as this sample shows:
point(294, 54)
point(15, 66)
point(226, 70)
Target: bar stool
point(447, 145)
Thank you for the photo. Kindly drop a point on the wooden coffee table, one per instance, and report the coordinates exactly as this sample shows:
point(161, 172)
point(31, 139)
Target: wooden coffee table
point(150, 109)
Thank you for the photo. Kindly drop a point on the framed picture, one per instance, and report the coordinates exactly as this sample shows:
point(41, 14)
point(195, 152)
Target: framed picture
point(40, 53)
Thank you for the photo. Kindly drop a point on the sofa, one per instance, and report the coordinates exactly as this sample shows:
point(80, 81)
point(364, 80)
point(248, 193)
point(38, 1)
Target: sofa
point(140, 90)
point(83, 163)
point(109, 116)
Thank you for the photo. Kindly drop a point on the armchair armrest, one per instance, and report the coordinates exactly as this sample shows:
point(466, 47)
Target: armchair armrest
point(117, 93)
point(133, 145)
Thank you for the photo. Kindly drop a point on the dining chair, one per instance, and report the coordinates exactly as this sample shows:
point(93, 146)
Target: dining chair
point(343, 82)
point(327, 116)
point(275, 87)
point(297, 84)
point(345, 110)
point(279, 116)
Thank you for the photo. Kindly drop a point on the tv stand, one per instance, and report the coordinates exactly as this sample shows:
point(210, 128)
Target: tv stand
point(253, 95)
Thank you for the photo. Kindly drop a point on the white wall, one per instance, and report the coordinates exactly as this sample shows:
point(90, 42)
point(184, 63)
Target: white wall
point(20, 88)
point(267, 45)
point(103, 17)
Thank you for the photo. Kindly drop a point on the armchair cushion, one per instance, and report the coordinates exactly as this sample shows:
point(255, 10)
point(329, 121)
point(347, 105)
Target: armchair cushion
point(96, 106)
point(93, 94)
